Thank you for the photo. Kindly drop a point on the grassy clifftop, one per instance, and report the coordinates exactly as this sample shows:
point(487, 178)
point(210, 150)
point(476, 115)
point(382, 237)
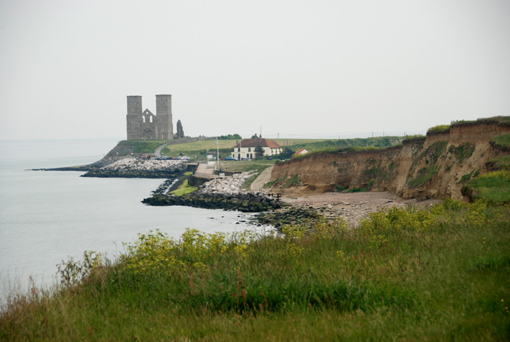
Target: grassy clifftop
point(438, 274)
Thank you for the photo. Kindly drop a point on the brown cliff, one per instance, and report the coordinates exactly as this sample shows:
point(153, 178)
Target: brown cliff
point(435, 166)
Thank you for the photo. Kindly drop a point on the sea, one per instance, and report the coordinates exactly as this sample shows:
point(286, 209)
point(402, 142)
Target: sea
point(47, 217)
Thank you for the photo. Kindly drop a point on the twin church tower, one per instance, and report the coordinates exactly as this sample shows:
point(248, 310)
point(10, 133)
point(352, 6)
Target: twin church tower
point(144, 125)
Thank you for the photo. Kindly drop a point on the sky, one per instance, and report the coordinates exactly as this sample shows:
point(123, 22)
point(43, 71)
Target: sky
point(286, 68)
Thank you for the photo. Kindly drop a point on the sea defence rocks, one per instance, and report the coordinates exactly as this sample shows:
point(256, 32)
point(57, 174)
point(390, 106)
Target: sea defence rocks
point(137, 168)
point(221, 193)
point(226, 185)
point(245, 202)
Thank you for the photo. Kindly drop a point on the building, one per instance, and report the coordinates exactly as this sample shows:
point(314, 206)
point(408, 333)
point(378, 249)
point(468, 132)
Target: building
point(246, 148)
point(301, 151)
point(144, 125)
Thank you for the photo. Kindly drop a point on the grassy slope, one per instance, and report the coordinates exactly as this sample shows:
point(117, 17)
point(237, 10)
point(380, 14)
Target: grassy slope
point(142, 146)
point(438, 275)
point(495, 186)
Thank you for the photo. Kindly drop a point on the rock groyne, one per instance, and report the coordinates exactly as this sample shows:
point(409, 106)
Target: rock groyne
point(139, 168)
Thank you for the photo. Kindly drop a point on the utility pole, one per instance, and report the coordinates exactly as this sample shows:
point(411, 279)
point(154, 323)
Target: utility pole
point(217, 154)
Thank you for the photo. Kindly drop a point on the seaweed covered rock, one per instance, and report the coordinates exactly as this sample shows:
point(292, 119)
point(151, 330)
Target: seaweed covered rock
point(291, 216)
point(245, 202)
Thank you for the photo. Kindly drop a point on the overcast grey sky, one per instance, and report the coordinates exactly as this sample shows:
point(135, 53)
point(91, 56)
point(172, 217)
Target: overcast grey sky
point(298, 68)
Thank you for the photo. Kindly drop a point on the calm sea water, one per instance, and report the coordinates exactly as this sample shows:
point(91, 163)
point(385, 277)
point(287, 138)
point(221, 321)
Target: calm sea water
point(48, 216)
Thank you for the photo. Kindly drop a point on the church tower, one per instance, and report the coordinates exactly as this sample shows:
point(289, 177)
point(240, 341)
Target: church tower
point(164, 117)
point(144, 125)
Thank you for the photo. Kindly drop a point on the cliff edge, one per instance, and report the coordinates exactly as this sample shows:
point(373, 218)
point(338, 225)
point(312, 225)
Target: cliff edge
point(435, 166)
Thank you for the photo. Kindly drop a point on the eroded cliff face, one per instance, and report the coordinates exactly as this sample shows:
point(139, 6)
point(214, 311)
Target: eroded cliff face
point(433, 167)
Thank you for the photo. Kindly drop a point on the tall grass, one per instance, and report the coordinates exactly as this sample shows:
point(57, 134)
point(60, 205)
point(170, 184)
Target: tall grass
point(410, 274)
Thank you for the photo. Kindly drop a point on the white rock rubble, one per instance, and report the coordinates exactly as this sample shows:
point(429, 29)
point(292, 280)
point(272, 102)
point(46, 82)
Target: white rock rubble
point(226, 185)
point(133, 164)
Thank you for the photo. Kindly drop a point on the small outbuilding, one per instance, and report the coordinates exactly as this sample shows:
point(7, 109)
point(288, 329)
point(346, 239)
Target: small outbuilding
point(301, 151)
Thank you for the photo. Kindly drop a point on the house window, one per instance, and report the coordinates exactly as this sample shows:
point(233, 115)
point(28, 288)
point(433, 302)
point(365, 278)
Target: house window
point(239, 149)
point(249, 149)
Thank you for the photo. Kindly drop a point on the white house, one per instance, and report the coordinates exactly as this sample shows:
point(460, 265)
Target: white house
point(246, 148)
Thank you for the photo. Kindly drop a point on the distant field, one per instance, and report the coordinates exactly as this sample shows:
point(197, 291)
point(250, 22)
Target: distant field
point(199, 148)
point(292, 142)
point(246, 165)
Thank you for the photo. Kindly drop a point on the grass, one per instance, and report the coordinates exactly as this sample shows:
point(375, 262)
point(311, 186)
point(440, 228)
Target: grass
point(462, 152)
point(143, 146)
point(199, 148)
point(501, 141)
point(501, 163)
point(439, 129)
point(184, 189)
point(440, 274)
point(493, 119)
point(358, 144)
point(493, 186)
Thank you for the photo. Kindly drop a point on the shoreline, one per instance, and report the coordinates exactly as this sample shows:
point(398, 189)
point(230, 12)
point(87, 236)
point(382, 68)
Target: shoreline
point(353, 207)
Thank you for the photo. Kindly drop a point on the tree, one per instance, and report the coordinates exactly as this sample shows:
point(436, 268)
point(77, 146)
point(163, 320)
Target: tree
point(259, 151)
point(180, 131)
point(287, 152)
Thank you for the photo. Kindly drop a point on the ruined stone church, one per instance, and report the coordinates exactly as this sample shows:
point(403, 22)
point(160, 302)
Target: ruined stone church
point(144, 125)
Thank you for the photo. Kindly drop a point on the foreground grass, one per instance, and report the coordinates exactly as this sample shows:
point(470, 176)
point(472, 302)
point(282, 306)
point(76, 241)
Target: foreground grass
point(440, 274)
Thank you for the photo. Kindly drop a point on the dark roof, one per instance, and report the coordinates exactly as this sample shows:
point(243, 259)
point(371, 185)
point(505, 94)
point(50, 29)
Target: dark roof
point(258, 142)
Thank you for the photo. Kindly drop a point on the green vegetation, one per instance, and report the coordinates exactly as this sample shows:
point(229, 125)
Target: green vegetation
point(493, 187)
point(431, 156)
point(360, 144)
point(494, 119)
point(184, 188)
point(468, 176)
point(439, 129)
point(142, 146)
point(292, 181)
point(230, 137)
point(437, 274)
point(502, 141)
point(257, 165)
point(462, 152)
point(414, 137)
point(501, 163)
point(199, 149)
